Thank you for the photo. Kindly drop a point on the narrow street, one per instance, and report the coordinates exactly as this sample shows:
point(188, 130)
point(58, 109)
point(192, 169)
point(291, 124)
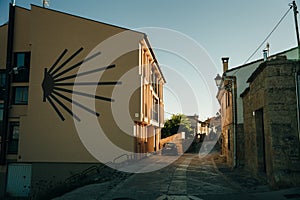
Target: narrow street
point(189, 177)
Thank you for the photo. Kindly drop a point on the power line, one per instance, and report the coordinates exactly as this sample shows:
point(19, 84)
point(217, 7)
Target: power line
point(169, 113)
point(269, 34)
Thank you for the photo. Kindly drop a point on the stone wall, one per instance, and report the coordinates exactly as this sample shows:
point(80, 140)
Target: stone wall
point(240, 145)
point(270, 123)
point(227, 144)
point(177, 139)
point(250, 136)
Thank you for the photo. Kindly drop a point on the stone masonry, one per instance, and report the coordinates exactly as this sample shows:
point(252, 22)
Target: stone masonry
point(271, 123)
point(240, 146)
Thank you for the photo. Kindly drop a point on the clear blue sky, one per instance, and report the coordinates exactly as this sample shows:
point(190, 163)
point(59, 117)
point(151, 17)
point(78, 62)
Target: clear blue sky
point(231, 28)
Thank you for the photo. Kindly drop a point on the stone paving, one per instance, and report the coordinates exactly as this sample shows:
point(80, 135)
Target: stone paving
point(189, 177)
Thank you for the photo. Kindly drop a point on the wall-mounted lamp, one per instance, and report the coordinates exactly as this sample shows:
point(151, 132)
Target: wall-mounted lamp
point(218, 80)
point(227, 87)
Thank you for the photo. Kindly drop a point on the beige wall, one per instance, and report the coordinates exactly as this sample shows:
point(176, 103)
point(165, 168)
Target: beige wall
point(58, 178)
point(54, 145)
point(22, 30)
point(44, 137)
point(3, 45)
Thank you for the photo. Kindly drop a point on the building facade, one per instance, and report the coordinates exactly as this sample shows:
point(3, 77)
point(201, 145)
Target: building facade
point(232, 85)
point(61, 76)
point(195, 124)
point(227, 100)
point(271, 122)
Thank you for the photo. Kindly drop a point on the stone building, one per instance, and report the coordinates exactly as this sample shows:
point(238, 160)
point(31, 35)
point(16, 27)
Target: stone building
point(215, 127)
point(271, 122)
point(230, 86)
point(195, 124)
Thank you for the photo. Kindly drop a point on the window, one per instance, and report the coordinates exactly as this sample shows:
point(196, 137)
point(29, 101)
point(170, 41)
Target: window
point(155, 109)
point(227, 99)
point(21, 66)
point(13, 143)
point(228, 138)
point(20, 95)
point(2, 78)
point(2, 84)
point(1, 112)
point(145, 101)
point(1, 116)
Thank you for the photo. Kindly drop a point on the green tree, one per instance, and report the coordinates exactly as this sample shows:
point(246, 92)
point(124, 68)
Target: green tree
point(178, 123)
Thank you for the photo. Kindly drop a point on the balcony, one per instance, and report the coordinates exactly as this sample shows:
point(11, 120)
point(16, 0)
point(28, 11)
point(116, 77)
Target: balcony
point(154, 115)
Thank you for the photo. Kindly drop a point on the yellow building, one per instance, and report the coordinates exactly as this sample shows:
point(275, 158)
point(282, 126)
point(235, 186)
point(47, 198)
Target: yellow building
point(64, 73)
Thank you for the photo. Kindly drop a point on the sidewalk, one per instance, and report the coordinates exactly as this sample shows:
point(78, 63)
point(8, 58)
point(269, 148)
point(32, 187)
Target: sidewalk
point(291, 193)
point(189, 177)
point(256, 187)
point(287, 194)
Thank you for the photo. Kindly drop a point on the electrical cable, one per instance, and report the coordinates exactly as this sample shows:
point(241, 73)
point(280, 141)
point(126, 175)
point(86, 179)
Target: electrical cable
point(169, 113)
point(269, 34)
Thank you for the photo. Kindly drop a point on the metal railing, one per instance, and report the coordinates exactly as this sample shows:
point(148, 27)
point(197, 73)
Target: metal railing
point(92, 170)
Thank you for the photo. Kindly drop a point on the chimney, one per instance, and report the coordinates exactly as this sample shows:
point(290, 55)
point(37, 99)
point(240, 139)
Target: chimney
point(265, 54)
point(225, 63)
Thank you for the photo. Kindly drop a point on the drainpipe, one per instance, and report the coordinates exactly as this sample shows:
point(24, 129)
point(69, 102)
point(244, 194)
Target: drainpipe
point(9, 59)
point(234, 120)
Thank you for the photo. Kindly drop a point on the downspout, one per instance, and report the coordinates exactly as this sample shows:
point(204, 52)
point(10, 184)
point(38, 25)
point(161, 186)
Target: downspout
point(9, 58)
point(234, 120)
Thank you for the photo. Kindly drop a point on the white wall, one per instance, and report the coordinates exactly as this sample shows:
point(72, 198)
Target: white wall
point(244, 72)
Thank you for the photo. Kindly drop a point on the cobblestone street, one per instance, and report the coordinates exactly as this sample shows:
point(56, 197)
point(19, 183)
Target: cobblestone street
point(189, 177)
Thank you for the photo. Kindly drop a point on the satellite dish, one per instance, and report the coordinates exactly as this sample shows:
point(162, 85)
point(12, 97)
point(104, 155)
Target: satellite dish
point(46, 3)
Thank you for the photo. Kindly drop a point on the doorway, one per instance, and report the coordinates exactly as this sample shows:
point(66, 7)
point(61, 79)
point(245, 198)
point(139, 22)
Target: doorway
point(260, 140)
point(18, 180)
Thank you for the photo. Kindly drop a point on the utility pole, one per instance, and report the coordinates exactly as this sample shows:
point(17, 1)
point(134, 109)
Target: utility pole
point(297, 73)
point(296, 26)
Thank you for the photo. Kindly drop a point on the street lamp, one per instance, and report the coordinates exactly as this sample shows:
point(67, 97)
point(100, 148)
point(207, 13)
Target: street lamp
point(218, 80)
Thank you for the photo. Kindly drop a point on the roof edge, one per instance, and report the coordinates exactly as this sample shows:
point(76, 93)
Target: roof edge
point(273, 61)
point(85, 18)
point(260, 60)
point(154, 56)
point(245, 92)
point(5, 24)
